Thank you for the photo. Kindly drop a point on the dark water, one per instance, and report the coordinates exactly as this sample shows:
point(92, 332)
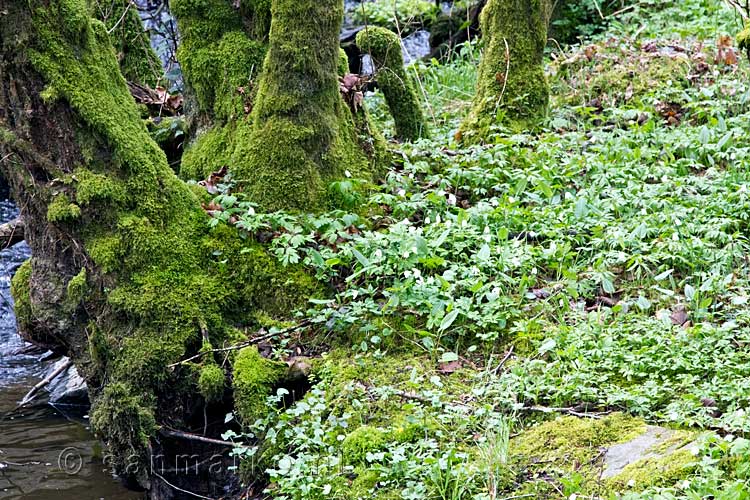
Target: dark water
point(44, 454)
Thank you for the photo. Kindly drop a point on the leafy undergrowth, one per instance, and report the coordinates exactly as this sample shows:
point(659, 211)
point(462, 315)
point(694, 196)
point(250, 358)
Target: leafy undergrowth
point(599, 266)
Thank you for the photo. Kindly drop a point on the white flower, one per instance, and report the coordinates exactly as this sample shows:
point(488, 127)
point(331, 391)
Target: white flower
point(438, 219)
point(427, 221)
point(451, 199)
point(402, 192)
point(378, 253)
point(347, 173)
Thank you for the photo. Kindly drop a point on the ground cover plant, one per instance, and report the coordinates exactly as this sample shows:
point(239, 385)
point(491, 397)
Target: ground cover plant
point(591, 274)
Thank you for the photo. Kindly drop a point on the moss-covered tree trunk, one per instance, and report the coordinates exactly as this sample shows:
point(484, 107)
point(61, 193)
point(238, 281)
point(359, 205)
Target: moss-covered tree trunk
point(303, 136)
point(126, 276)
point(384, 46)
point(512, 89)
point(270, 100)
point(138, 61)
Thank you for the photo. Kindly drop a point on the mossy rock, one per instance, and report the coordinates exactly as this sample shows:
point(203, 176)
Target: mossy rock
point(611, 454)
point(360, 442)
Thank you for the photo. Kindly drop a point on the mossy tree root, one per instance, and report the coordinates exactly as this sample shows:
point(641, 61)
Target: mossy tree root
point(384, 47)
point(512, 88)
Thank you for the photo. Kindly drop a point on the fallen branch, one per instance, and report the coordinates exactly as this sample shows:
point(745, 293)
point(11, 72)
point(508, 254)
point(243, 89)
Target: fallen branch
point(195, 437)
point(242, 345)
point(29, 397)
point(567, 411)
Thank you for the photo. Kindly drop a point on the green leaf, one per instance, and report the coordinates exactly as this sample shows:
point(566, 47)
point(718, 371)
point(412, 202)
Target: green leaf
point(547, 346)
point(361, 258)
point(449, 319)
point(484, 252)
point(448, 357)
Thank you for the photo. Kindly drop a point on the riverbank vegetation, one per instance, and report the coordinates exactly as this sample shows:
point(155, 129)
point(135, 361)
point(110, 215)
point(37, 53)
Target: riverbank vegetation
point(365, 300)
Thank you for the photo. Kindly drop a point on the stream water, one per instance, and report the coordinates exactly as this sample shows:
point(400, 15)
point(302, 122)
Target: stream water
point(45, 454)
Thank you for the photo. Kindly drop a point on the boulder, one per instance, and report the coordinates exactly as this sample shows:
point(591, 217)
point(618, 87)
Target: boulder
point(68, 388)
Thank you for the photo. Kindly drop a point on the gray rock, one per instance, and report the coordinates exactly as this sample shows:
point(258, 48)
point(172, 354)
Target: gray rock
point(655, 442)
point(68, 388)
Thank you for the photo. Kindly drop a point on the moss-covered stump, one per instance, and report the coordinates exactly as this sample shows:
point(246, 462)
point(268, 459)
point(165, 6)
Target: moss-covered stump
point(303, 136)
point(126, 277)
point(512, 89)
point(612, 454)
point(384, 47)
point(138, 61)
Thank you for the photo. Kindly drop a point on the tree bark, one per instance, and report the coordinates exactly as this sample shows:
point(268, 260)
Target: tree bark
point(512, 88)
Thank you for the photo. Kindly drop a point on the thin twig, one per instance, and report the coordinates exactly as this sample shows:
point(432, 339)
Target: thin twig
point(507, 74)
point(195, 437)
point(122, 17)
point(242, 345)
point(504, 360)
point(568, 411)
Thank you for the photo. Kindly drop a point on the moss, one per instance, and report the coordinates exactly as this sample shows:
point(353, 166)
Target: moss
point(257, 17)
point(138, 61)
point(218, 57)
point(77, 289)
point(384, 47)
point(20, 289)
point(343, 68)
point(303, 136)
point(253, 378)
point(657, 471)
point(567, 445)
point(106, 251)
point(92, 187)
point(49, 95)
point(61, 209)
point(210, 151)
point(360, 442)
point(511, 90)
point(127, 422)
point(611, 76)
point(156, 286)
point(211, 382)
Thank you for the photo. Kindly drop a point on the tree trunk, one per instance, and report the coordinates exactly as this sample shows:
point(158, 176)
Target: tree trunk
point(512, 89)
point(271, 104)
point(126, 277)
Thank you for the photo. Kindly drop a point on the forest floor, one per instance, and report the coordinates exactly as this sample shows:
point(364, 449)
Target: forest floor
point(506, 313)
